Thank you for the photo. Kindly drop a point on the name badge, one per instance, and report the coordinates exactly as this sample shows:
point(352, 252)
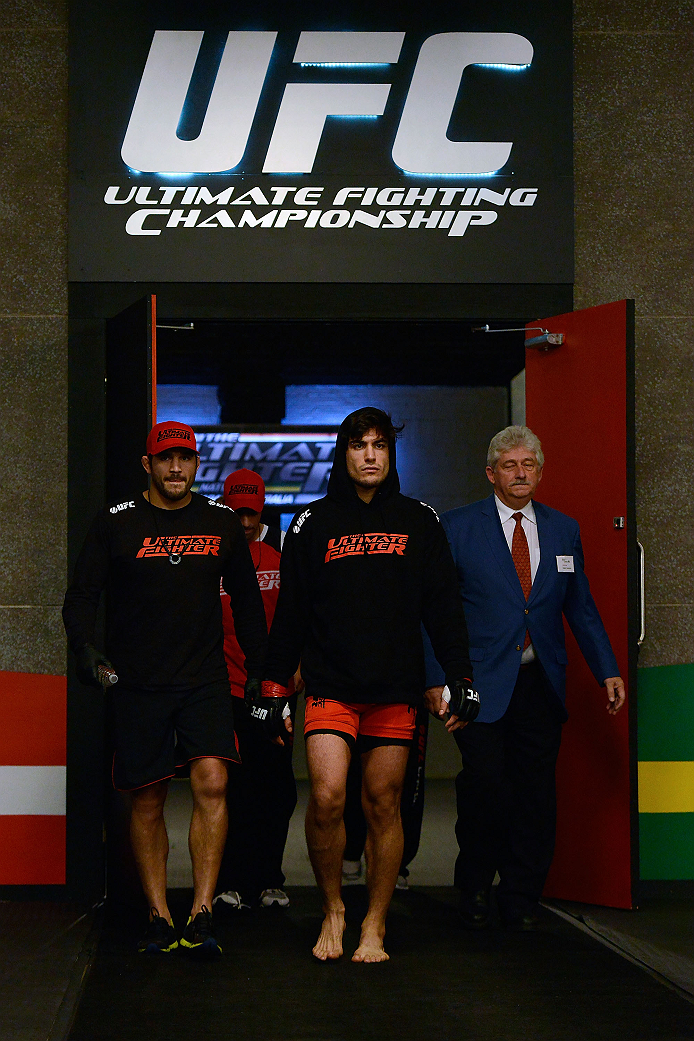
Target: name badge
point(565, 563)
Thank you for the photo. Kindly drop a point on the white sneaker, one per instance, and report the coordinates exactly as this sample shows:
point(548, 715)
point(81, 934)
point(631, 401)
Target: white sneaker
point(274, 897)
point(402, 883)
point(351, 872)
point(231, 901)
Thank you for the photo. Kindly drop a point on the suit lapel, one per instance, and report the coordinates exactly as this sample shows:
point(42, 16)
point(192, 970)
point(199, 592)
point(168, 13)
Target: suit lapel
point(544, 535)
point(491, 525)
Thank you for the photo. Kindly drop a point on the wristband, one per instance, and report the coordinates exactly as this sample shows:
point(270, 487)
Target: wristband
point(273, 690)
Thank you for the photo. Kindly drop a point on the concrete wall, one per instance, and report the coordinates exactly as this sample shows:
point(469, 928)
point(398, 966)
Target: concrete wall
point(634, 138)
point(33, 333)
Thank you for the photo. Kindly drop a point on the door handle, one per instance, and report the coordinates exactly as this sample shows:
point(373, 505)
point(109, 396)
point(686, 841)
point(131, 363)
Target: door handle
point(642, 593)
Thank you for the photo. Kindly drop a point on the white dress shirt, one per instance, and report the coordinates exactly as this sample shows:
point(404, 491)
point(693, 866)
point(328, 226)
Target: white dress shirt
point(529, 526)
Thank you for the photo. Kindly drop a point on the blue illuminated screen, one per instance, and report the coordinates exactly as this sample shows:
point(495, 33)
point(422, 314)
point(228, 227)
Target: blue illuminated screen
point(295, 466)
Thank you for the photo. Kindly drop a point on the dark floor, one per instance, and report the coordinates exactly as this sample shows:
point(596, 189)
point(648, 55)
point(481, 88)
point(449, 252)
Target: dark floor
point(441, 983)
point(659, 936)
point(45, 948)
point(589, 958)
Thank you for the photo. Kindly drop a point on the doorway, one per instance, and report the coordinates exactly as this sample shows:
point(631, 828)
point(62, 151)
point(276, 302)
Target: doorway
point(449, 386)
point(254, 343)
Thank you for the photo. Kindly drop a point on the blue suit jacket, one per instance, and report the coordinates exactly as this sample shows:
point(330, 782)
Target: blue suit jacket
point(497, 614)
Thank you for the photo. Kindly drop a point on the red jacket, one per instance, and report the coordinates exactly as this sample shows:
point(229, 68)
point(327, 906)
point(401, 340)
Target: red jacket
point(266, 560)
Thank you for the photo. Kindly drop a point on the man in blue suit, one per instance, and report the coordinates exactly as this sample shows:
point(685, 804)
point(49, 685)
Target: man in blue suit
point(520, 568)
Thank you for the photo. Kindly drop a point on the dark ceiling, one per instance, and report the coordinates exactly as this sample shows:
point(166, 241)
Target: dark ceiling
point(252, 362)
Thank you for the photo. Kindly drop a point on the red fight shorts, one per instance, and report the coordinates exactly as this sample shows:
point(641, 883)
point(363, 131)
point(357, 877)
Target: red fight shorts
point(373, 725)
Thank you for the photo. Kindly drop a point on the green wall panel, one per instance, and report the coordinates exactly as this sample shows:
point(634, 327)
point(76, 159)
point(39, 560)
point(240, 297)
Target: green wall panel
point(666, 714)
point(667, 845)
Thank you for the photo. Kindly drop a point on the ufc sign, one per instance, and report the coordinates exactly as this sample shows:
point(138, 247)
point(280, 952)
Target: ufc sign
point(421, 144)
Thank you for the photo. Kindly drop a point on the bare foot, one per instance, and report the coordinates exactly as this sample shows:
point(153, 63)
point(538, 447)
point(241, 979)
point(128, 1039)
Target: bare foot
point(329, 945)
point(367, 953)
point(370, 947)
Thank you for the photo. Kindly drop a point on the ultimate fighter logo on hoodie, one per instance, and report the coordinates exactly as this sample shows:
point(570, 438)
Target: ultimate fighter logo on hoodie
point(198, 545)
point(371, 543)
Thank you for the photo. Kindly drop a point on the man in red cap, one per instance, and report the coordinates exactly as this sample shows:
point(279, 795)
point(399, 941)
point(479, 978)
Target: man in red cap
point(244, 493)
point(163, 555)
point(263, 797)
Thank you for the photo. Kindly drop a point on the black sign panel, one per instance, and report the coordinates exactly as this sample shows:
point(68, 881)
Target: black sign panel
point(292, 143)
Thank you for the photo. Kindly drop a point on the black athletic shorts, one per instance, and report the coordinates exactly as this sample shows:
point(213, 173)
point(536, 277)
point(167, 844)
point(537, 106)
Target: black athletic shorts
point(155, 732)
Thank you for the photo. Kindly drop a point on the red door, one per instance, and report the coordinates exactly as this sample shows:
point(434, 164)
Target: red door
point(579, 401)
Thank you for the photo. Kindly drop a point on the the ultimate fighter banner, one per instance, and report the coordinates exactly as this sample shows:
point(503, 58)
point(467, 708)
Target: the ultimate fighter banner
point(294, 466)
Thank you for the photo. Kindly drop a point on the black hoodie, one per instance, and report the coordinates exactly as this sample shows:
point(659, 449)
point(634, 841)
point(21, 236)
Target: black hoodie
point(357, 580)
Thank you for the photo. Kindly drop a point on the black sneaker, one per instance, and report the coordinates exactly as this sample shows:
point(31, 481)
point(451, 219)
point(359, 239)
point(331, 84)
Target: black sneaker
point(160, 936)
point(198, 936)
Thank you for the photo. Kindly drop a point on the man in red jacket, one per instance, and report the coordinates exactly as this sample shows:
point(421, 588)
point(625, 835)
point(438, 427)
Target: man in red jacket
point(263, 796)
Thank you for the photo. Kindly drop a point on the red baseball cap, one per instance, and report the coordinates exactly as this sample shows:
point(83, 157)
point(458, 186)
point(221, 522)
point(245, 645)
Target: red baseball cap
point(244, 490)
point(165, 436)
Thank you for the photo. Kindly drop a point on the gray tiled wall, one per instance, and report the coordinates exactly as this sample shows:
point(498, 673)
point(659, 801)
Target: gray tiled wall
point(33, 334)
point(634, 139)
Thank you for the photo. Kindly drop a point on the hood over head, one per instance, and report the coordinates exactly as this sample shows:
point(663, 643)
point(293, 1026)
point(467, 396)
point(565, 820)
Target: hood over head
point(340, 485)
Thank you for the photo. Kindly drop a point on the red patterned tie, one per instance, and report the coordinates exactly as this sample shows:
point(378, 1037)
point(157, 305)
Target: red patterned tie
point(521, 559)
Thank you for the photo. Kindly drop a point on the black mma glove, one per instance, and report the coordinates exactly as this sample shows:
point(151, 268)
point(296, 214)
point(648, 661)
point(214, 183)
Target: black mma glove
point(251, 691)
point(89, 661)
point(465, 701)
point(269, 710)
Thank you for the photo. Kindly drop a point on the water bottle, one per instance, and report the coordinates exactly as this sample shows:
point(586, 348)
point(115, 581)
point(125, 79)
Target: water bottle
point(107, 676)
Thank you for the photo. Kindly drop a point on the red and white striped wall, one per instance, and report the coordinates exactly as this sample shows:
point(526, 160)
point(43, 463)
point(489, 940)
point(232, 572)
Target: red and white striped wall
point(33, 731)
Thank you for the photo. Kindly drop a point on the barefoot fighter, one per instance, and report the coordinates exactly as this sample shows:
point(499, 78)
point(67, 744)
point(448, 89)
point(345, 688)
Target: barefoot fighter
point(361, 570)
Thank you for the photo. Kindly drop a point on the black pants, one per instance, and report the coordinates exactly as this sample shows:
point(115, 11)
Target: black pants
point(411, 803)
point(507, 797)
point(261, 797)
